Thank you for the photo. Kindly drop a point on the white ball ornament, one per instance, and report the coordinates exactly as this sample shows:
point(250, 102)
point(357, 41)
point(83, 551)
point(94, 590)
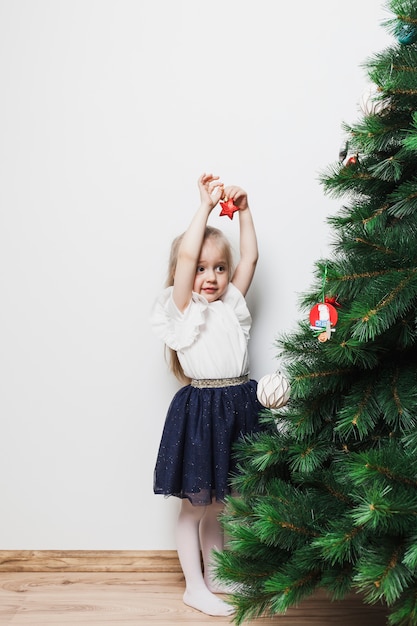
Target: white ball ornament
point(273, 390)
point(370, 104)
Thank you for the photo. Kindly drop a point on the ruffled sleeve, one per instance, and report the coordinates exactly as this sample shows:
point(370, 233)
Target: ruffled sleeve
point(234, 298)
point(176, 329)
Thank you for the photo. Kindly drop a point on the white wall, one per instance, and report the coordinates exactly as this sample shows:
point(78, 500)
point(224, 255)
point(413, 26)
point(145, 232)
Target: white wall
point(109, 111)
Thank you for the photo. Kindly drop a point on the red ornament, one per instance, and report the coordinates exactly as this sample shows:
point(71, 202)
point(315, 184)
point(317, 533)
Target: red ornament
point(353, 160)
point(323, 317)
point(228, 208)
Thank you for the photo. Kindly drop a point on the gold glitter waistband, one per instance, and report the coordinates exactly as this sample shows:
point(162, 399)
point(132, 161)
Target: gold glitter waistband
point(219, 382)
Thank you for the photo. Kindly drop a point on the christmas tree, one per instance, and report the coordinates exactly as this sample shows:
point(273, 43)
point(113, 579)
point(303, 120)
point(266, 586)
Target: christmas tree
point(328, 493)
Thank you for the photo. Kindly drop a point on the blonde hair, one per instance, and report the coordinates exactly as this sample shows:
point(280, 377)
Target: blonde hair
point(222, 241)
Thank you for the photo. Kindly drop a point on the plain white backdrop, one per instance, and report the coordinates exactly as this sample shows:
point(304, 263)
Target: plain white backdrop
point(110, 110)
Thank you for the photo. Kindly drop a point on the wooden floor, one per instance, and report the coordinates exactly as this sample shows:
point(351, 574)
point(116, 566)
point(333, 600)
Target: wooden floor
point(149, 599)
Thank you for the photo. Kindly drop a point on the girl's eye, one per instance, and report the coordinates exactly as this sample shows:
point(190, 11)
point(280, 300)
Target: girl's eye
point(221, 268)
point(200, 269)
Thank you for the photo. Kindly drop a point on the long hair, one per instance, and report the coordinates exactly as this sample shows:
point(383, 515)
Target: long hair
point(222, 242)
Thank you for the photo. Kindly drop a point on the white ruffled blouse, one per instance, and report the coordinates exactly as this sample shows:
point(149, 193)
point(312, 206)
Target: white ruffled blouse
point(211, 339)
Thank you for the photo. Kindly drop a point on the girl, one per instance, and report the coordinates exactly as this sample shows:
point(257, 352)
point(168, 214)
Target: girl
point(203, 318)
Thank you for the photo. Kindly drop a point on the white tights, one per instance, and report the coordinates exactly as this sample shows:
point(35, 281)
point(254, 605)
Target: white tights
point(199, 532)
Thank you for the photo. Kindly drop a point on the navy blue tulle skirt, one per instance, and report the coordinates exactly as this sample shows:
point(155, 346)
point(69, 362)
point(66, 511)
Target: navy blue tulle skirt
point(195, 458)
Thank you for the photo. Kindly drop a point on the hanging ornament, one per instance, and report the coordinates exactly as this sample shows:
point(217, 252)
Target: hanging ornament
point(228, 208)
point(352, 161)
point(323, 318)
point(273, 390)
point(371, 102)
point(406, 33)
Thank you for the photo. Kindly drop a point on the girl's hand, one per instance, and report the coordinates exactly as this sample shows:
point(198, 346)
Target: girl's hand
point(238, 195)
point(211, 190)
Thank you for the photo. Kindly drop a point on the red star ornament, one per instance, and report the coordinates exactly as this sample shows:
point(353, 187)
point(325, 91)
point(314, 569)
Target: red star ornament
point(228, 208)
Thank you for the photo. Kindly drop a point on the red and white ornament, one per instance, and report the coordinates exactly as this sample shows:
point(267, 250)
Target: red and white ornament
point(273, 390)
point(323, 318)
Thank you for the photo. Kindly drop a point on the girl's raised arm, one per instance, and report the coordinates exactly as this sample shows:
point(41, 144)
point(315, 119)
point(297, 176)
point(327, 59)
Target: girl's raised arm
point(246, 266)
point(211, 190)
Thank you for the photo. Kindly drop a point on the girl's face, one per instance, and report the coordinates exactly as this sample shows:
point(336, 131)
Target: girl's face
point(212, 274)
